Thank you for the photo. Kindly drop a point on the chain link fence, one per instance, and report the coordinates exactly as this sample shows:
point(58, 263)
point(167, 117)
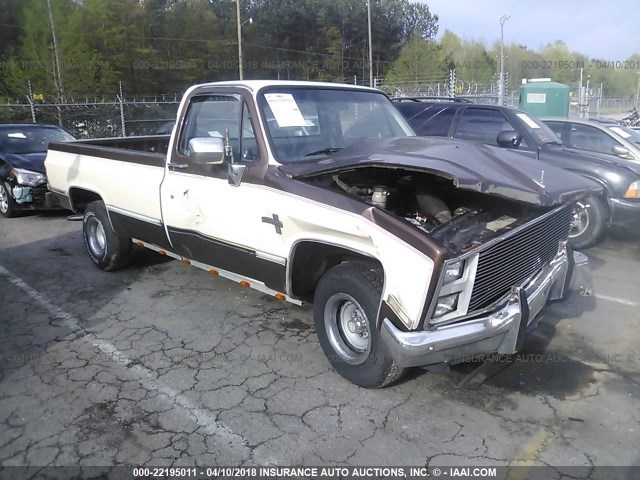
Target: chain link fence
point(98, 119)
point(477, 91)
point(151, 115)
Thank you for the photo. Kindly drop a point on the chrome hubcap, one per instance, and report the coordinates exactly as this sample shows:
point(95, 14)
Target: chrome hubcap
point(347, 328)
point(4, 199)
point(96, 236)
point(580, 221)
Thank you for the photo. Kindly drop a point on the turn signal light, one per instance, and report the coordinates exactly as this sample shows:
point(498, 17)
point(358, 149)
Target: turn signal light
point(633, 191)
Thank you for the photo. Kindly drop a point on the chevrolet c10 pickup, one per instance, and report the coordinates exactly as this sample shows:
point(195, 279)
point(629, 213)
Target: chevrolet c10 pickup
point(414, 251)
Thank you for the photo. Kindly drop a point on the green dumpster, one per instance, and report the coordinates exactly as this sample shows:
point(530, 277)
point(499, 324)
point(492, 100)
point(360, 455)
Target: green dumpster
point(550, 99)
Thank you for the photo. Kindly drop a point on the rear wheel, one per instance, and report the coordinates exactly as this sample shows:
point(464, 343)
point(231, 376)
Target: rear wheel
point(7, 203)
point(345, 308)
point(589, 223)
point(108, 250)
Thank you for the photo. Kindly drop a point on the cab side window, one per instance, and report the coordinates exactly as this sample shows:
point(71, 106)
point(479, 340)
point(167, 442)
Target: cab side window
point(482, 125)
point(434, 121)
point(590, 138)
point(213, 116)
point(558, 129)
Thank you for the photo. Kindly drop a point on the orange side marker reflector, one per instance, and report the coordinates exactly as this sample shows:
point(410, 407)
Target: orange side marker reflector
point(162, 252)
point(213, 271)
point(140, 244)
point(244, 283)
point(185, 261)
point(279, 296)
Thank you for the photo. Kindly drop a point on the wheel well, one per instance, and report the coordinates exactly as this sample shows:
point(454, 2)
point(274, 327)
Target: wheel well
point(310, 260)
point(80, 198)
point(606, 190)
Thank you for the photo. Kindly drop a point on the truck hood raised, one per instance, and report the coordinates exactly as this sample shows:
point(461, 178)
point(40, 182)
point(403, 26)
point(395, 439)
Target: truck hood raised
point(470, 166)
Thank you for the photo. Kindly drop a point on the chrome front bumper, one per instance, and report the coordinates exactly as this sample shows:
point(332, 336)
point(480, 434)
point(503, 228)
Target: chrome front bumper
point(502, 330)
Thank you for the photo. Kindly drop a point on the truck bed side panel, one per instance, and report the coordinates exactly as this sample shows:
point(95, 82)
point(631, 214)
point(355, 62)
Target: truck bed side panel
point(128, 182)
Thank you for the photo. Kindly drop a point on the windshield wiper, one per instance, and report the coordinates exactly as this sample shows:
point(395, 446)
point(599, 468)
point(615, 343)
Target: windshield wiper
point(325, 151)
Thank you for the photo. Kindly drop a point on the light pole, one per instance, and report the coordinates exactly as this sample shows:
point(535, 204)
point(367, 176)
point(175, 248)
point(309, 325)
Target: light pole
point(370, 46)
point(501, 98)
point(240, 24)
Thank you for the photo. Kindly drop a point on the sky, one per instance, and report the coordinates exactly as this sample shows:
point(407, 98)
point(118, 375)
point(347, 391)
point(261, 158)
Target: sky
point(607, 30)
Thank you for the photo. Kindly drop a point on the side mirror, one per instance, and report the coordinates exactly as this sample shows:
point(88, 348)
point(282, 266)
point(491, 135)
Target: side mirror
point(509, 139)
point(620, 151)
point(206, 150)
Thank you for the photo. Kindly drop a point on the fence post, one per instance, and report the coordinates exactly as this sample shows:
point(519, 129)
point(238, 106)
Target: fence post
point(452, 83)
point(30, 99)
point(120, 100)
point(33, 109)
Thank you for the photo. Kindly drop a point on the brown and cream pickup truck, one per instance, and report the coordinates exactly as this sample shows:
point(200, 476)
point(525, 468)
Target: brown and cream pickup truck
point(414, 251)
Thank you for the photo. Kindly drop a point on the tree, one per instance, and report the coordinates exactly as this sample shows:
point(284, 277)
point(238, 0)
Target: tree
point(420, 61)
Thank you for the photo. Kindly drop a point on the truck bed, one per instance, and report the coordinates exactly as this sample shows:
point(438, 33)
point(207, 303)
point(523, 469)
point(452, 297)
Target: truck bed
point(138, 161)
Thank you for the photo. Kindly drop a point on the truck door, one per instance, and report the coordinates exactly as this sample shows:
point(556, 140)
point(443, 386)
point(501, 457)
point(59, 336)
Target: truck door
point(206, 218)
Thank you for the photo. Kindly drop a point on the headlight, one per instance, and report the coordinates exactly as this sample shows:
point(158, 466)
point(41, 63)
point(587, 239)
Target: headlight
point(446, 304)
point(28, 178)
point(453, 271)
point(634, 190)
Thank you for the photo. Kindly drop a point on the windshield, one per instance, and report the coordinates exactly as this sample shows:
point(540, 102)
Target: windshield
point(627, 133)
point(305, 124)
point(538, 130)
point(22, 141)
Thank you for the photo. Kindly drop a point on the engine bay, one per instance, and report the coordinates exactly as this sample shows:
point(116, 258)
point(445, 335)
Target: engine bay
point(461, 220)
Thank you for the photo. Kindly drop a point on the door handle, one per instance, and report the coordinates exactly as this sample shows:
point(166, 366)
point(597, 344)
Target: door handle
point(177, 166)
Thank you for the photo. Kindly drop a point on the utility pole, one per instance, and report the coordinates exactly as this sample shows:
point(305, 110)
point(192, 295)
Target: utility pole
point(57, 74)
point(638, 90)
point(501, 87)
point(370, 45)
point(240, 72)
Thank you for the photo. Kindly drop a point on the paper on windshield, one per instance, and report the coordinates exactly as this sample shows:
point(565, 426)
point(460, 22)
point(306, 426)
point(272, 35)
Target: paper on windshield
point(527, 119)
point(285, 110)
point(621, 132)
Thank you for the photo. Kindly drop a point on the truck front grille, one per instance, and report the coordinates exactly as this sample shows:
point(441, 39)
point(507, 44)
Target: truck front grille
point(514, 259)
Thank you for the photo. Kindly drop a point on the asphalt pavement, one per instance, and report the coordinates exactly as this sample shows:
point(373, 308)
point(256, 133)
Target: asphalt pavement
point(163, 364)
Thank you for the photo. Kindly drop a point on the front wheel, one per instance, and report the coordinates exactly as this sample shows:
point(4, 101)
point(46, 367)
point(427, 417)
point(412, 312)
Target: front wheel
point(108, 250)
point(7, 203)
point(589, 223)
point(345, 308)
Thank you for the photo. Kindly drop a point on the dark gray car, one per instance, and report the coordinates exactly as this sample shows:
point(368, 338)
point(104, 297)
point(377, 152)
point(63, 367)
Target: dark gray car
point(597, 135)
point(518, 131)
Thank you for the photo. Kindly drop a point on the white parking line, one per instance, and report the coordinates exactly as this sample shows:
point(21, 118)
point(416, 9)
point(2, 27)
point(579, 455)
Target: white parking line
point(204, 419)
point(622, 301)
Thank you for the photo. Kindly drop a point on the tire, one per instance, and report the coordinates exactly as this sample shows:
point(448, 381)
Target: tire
point(108, 250)
point(7, 203)
point(345, 308)
point(590, 223)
